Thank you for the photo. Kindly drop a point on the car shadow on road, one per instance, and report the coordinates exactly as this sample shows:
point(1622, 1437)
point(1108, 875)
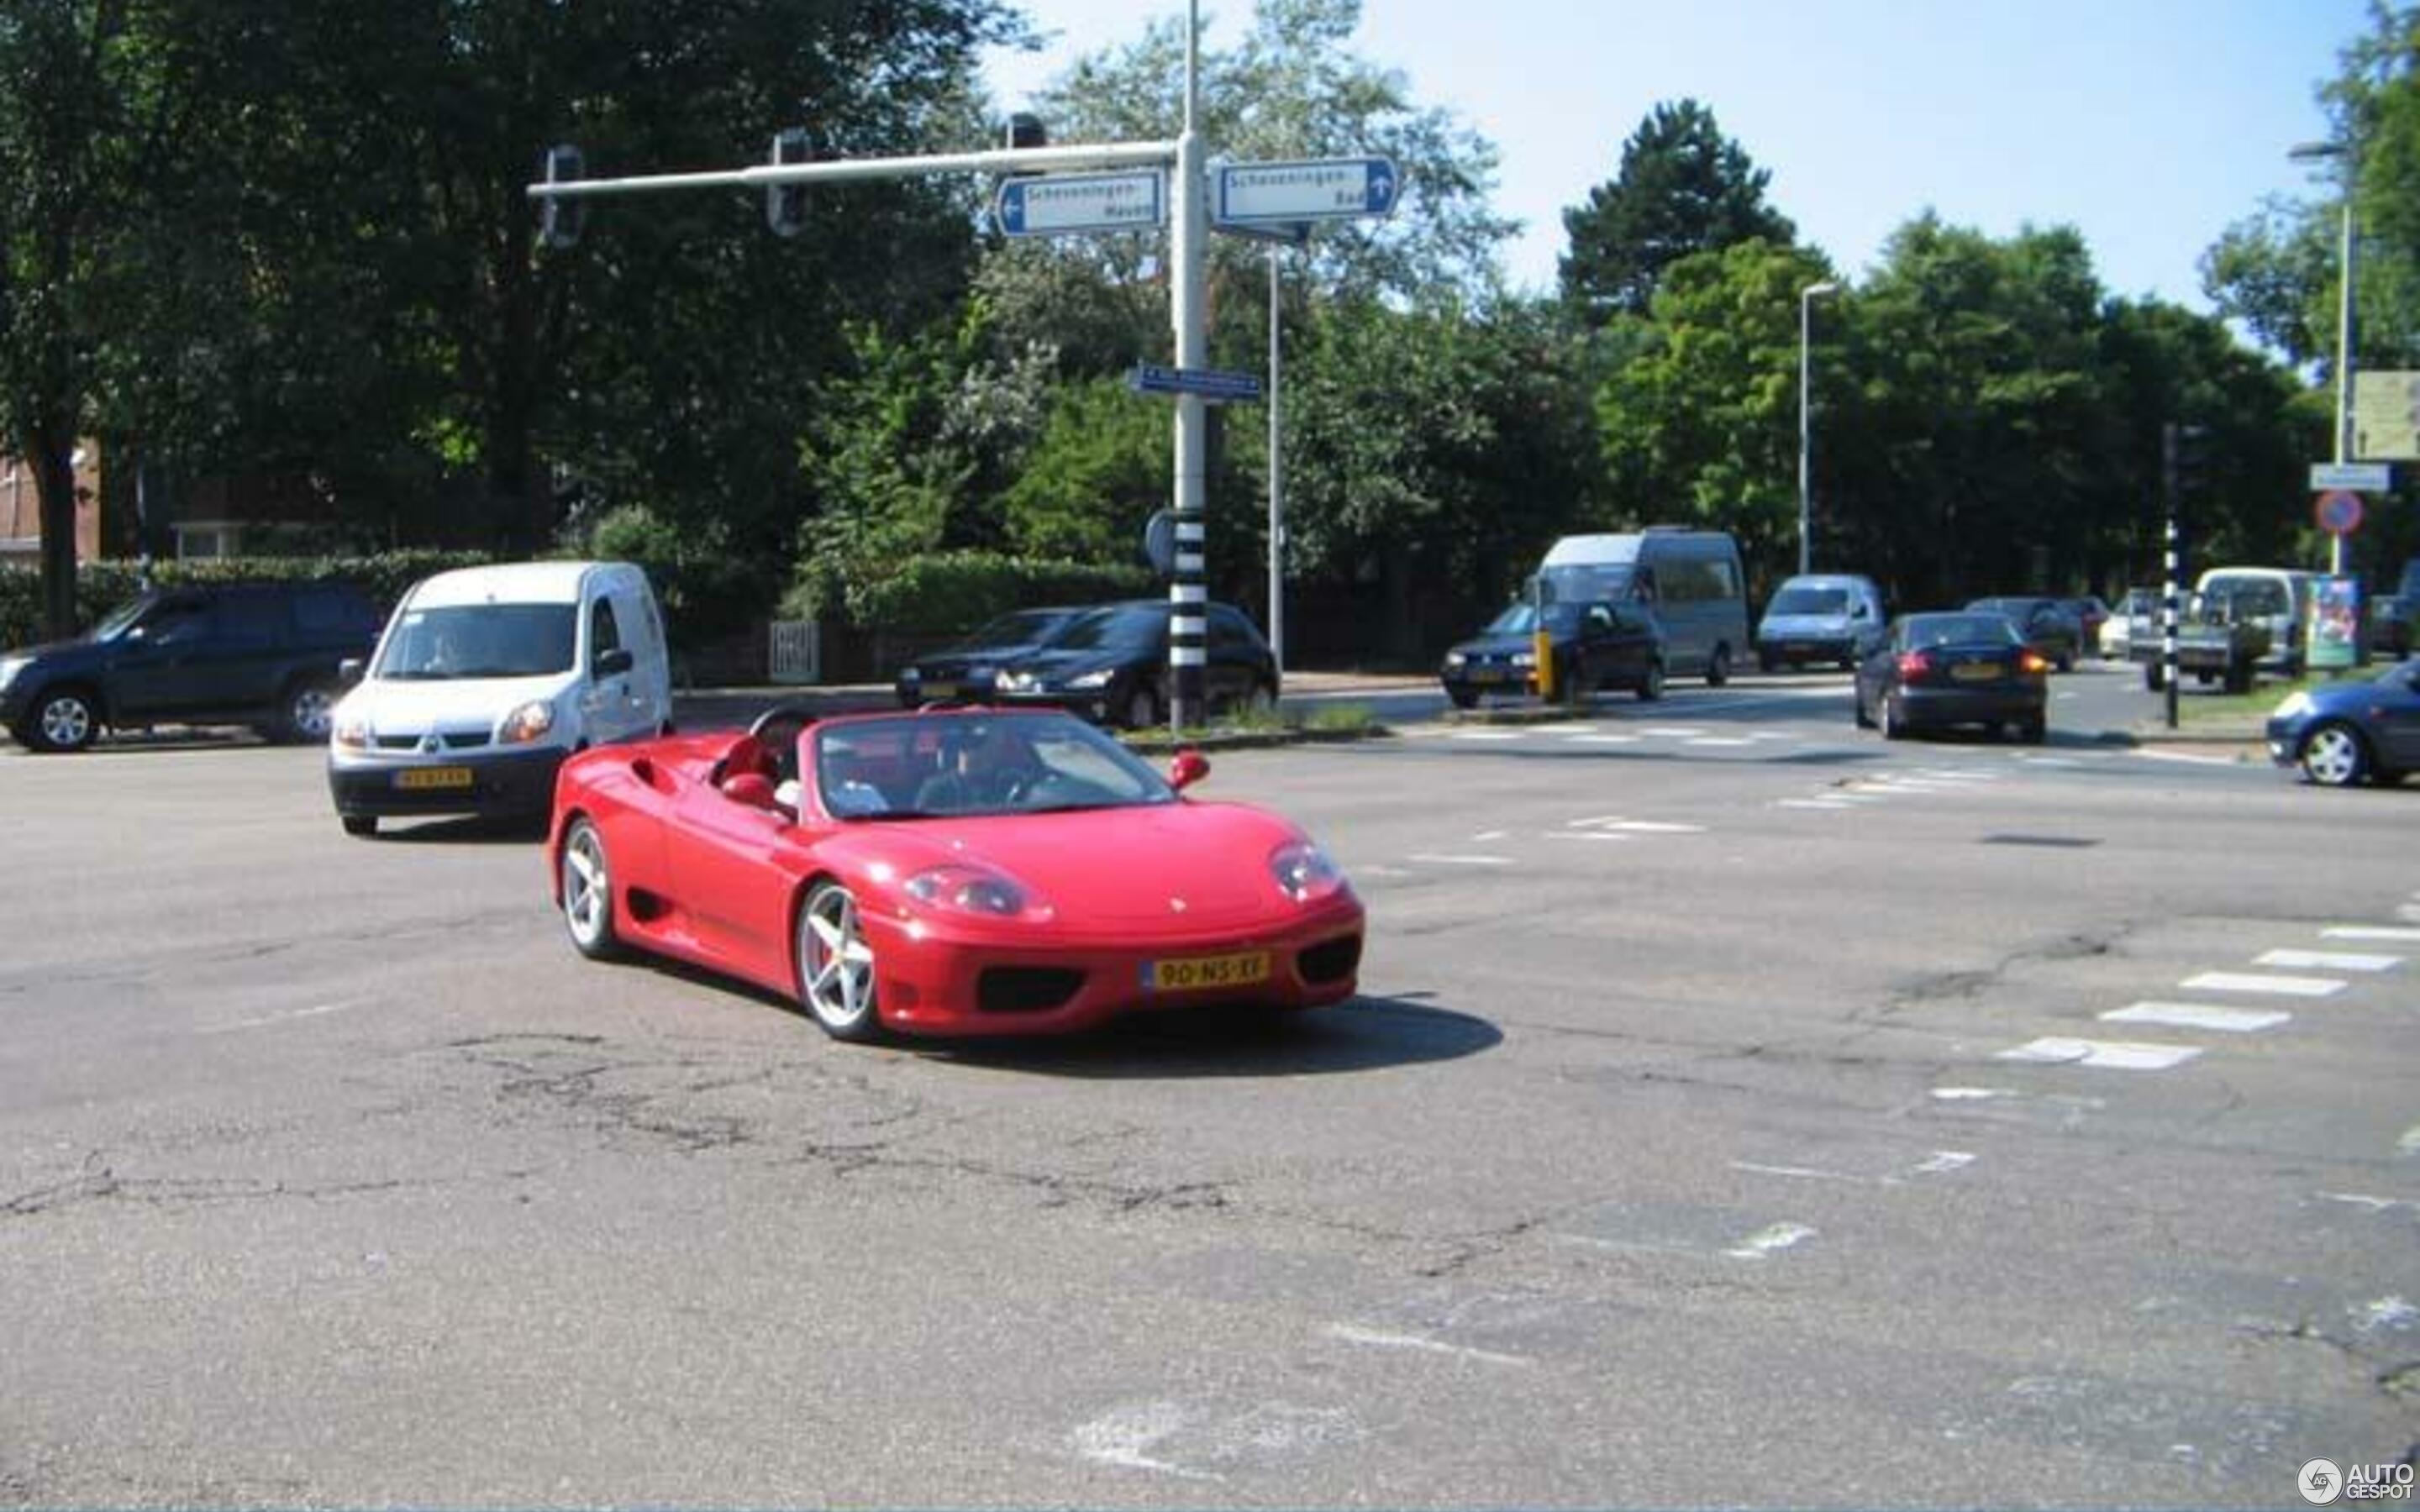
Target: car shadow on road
point(1360, 1034)
point(464, 829)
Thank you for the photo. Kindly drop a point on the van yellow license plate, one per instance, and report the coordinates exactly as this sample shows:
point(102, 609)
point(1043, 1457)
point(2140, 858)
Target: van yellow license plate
point(939, 690)
point(423, 778)
point(1205, 972)
point(1975, 671)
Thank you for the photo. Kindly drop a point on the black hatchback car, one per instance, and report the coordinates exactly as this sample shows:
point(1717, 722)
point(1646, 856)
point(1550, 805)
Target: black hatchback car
point(969, 670)
point(1595, 646)
point(1110, 665)
point(1935, 671)
point(267, 655)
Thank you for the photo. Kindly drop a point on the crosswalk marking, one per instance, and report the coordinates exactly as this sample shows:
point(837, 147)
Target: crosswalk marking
point(2198, 1017)
point(2328, 961)
point(2104, 1055)
point(2244, 982)
point(2371, 932)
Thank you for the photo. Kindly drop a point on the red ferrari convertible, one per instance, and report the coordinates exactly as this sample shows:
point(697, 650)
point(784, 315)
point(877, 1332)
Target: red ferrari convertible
point(958, 872)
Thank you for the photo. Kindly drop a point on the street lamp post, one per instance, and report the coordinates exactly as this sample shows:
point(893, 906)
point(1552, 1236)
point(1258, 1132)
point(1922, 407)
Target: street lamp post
point(1806, 434)
point(2321, 152)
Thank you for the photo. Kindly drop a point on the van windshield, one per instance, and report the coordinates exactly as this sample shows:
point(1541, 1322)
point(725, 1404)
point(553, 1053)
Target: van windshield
point(2250, 595)
point(480, 641)
point(1588, 582)
point(1810, 601)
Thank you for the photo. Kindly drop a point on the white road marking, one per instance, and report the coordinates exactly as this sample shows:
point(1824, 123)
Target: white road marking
point(1377, 1338)
point(1587, 834)
point(1668, 732)
point(1381, 872)
point(267, 1019)
point(1490, 735)
point(1462, 860)
point(1802, 1172)
point(1603, 740)
point(1719, 740)
point(1936, 1164)
point(2373, 1204)
point(2188, 757)
point(1123, 1436)
point(2197, 1016)
point(1945, 1161)
point(1654, 826)
point(1770, 1239)
point(1592, 823)
point(2103, 1054)
point(2243, 981)
point(2063, 763)
point(2327, 961)
point(2410, 1143)
point(1488, 834)
point(2410, 911)
point(1814, 803)
point(1563, 727)
point(1970, 1094)
point(2371, 932)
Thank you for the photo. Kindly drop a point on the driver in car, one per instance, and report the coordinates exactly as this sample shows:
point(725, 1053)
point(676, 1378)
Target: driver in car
point(989, 771)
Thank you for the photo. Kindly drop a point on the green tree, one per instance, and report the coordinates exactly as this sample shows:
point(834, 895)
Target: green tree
point(1684, 188)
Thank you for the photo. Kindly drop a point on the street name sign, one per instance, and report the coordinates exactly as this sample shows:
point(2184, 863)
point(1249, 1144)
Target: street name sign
point(1056, 202)
point(1215, 384)
point(2359, 477)
point(1323, 189)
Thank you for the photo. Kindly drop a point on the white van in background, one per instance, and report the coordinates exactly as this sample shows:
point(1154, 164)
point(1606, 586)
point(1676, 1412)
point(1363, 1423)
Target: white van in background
point(1690, 578)
point(487, 678)
point(2279, 598)
point(1821, 616)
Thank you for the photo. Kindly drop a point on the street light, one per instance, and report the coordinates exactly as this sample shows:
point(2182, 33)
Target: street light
point(2323, 152)
point(1805, 436)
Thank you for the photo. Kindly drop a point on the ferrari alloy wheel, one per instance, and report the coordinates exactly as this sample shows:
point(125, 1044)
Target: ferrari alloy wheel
point(836, 964)
point(2333, 757)
point(64, 720)
point(588, 894)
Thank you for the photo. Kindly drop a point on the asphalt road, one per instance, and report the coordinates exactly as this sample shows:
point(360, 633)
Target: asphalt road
point(1730, 1117)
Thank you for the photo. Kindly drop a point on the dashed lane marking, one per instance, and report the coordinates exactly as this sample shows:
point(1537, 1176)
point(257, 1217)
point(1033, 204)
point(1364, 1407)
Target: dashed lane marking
point(2371, 932)
point(2102, 1054)
point(1462, 860)
point(2198, 1017)
point(1769, 1240)
point(1383, 1339)
point(2244, 982)
point(1587, 834)
point(1489, 734)
point(1727, 741)
point(1603, 740)
point(2328, 961)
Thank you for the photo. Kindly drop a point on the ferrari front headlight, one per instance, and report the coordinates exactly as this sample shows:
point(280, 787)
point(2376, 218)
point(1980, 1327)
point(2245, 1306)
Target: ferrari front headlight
point(1304, 873)
point(968, 890)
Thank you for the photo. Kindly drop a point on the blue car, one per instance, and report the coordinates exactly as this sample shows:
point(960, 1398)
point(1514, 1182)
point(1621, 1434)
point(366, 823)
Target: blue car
point(2351, 732)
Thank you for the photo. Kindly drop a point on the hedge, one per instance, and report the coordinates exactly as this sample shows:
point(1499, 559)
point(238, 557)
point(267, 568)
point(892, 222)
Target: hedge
point(102, 586)
point(948, 592)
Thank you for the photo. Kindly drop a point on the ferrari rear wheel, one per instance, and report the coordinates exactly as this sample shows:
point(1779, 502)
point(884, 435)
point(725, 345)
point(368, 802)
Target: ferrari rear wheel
point(836, 965)
point(588, 894)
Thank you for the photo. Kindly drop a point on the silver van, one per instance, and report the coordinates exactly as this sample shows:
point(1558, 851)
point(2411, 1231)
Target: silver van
point(1690, 577)
point(1821, 616)
point(2279, 598)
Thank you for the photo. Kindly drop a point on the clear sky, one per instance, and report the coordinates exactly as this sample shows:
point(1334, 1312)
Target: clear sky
point(2150, 125)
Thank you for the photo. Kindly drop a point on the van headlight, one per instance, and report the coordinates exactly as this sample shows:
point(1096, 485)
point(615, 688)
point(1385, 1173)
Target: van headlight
point(351, 732)
point(526, 723)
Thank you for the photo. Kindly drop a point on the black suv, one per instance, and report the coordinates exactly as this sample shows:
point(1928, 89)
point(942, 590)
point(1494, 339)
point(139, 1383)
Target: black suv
point(260, 653)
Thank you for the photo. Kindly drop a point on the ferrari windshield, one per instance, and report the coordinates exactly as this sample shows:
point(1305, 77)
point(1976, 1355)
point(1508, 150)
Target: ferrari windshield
point(935, 766)
point(480, 641)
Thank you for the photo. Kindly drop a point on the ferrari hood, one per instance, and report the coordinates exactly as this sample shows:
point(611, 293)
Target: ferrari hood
point(1184, 865)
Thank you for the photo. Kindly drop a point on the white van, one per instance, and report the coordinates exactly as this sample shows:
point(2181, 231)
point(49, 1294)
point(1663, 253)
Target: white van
point(1690, 578)
point(2279, 598)
point(487, 678)
point(1821, 616)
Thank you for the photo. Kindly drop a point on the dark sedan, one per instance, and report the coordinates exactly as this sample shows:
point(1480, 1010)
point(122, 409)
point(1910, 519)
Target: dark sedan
point(1596, 646)
point(2047, 624)
point(2352, 731)
point(1935, 671)
point(1110, 664)
point(967, 669)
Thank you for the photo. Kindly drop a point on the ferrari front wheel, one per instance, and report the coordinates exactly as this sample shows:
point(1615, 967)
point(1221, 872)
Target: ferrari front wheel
point(588, 894)
point(836, 964)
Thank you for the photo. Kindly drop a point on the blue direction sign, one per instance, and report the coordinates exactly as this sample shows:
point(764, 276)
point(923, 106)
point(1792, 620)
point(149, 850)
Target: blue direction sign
point(1325, 189)
point(1083, 202)
point(1215, 384)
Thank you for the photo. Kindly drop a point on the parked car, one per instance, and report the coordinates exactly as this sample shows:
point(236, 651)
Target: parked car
point(2350, 732)
point(1935, 671)
point(1110, 664)
point(1821, 617)
point(1595, 646)
point(960, 871)
point(2280, 596)
point(2137, 617)
point(969, 668)
point(2047, 624)
point(487, 678)
point(2090, 615)
point(2218, 640)
point(267, 655)
point(2390, 624)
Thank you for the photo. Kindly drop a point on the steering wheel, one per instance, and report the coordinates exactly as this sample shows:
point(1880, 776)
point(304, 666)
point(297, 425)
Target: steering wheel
point(778, 730)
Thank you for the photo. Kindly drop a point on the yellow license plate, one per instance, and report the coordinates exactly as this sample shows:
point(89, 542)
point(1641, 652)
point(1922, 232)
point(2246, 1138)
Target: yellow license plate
point(1197, 973)
point(1977, 672)
point(941, 690)
point(422, 778)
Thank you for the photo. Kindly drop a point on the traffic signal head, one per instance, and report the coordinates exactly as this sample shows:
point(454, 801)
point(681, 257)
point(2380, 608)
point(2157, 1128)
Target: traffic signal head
point(785, 205)
point(561, 220)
